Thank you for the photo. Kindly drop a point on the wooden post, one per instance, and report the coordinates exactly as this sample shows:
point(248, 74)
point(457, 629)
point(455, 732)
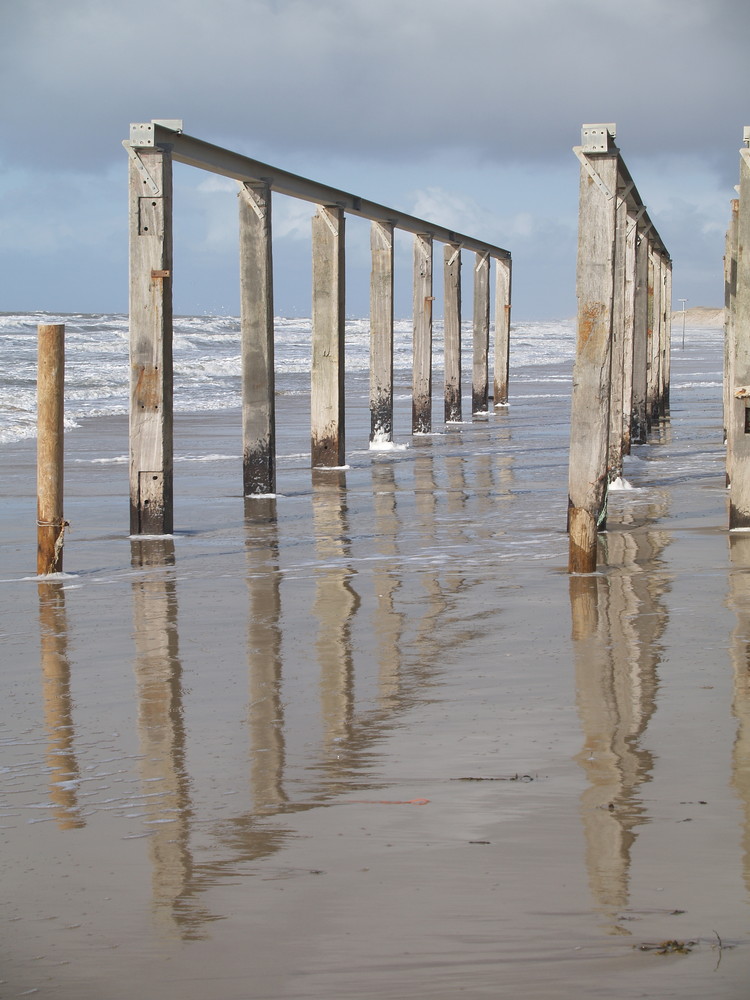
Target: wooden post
point(452, 327)
point(256, 312)
point(421, 407)
point(381, 332)
point(50, 448)
point(587, 485)
point(151, 507)
point(481, 334)
point(327, 390)
point(739, 422)
point(639, 415)
point(502, 331)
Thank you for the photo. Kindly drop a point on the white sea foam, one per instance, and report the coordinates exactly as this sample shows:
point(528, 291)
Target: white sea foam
point(207, 362)
point(382, 445)
point(620, 484)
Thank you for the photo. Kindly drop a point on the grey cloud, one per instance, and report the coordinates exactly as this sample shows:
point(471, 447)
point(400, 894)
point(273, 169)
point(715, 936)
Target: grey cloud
point(376, 80)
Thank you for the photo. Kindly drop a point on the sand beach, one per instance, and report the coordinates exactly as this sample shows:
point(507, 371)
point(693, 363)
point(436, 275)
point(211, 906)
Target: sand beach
point(367, 738)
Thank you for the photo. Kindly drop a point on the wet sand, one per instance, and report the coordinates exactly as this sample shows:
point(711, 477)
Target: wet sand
point(368, 739)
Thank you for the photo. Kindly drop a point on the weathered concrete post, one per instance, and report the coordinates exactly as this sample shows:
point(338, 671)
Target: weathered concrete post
point(421, 414)
point(587, 484)
point(481, 334)
point(327, 390)
point(50, 449)
point(652, 402)
point(256, 320)
point(629, 330)
point(151, 470)
point(666, 368)
point(639, 407)
point(502, 331)
point(658, 336)
point(617, 370)
point(738, 430)
point(381, 332)
point(452, 327)
point(730, 291)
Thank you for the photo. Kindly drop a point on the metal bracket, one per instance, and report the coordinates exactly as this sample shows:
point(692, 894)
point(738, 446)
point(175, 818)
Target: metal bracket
point(144, 133)
point(452, 259)
point(142, 169)
point(578, 150)
point(257, 202)
point(623, 195)
point(386, 233)
point(636, 219)
point(482, 259)
point(325, 213)
point(598, 138)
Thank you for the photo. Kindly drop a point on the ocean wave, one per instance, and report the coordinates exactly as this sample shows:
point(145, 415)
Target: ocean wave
point(207, 361)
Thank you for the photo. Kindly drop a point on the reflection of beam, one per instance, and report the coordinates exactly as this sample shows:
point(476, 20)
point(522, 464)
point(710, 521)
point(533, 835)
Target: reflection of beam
point(616, 625)
point(58, 706)
point(336, 603)
point(161, 730)
point(266, 713)
point(739, 599)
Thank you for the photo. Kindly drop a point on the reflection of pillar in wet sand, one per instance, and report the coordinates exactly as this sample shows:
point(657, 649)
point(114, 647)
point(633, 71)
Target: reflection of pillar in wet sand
point(266, 714)
point(739, 601)
point(432, 607)
point(161, 731)
point(456, 505)
point(388, 623)
point(58, 706)
point(616, 625)
point(336, 603)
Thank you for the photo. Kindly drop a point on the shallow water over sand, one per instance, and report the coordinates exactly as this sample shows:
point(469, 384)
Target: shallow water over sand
point(367, 739)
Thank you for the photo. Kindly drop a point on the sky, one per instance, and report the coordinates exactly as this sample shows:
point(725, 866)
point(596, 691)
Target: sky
point(464, 114)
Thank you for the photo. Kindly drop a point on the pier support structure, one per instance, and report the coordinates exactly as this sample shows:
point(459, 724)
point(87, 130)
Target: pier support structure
point(620, 379)
point(502, 331)
point(421, 404)
point(452, 331)
point(257, 338)
point(737, 372)
point(480, 335)
point(381, 332)
point(151, 418)
point(327, 388)
point(152, 148)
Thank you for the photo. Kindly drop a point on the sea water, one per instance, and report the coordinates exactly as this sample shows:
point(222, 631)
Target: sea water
point(368, 739)
point(207, 362)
